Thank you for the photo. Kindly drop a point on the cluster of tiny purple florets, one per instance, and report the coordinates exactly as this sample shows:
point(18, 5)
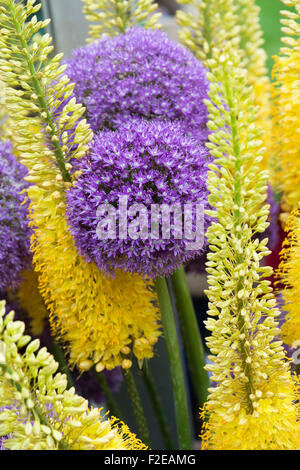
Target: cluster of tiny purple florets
point(140, 74)
point(150, 163)
point(144, 97)
point(14, 231)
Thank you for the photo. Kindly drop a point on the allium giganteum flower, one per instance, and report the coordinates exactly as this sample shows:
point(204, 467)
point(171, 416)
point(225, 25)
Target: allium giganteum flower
point(149, 163)
point(14, 231)
point(139, 74)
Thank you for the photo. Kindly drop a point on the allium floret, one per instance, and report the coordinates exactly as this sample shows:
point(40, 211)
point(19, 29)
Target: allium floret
point(150, 163)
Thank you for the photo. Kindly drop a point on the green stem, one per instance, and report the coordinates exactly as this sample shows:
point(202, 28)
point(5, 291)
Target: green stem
point(111, 402)
point(179, 392)
point(165, 430)
point(191, 335)
point(137, 407)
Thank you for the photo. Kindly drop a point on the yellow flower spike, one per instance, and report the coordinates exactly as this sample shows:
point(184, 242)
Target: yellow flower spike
point(54, 418)
point(113, 17)
point(289, 272)
point(254, 404)
point(286, 161)
point(218, 22)
point(286, 112)
point(95, 315)
point(209, 25)
point(255, 57)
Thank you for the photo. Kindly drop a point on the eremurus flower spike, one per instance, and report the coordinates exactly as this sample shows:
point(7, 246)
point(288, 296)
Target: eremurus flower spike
point(93, 314)
point(289, 273)
point(253, 403)
point(255, 58)
point(286, 161)
point(210, 24)
point(115, 16)
point(39, 412)
point(220, 22)
point(286, 112)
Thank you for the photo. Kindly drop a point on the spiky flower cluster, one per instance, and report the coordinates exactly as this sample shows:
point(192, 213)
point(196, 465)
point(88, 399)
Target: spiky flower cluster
point(206, 25)
point(151, 164)
point(286, 151)
point(252, 405)
point(290, 275)
point(39, 412)
point(140, 74)
point(209, 24)
point(95, 315)
point(14, 231)
point(286, 113)
point(115, 16)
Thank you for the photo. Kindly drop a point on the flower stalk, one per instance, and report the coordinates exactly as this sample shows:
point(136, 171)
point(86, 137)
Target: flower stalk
point(158, 408)
point(110, 400)
point(137, 406)
point(175, 361)
point(191, 335)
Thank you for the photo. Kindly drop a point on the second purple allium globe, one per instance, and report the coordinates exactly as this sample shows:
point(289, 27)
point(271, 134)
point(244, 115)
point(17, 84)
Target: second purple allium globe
point(14, 231)
point(148, 163)
point(141, 73)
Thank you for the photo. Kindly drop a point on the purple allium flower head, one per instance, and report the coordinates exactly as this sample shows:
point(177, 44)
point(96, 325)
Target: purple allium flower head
point(141, 73)
point(147, 163)
point(14, 231)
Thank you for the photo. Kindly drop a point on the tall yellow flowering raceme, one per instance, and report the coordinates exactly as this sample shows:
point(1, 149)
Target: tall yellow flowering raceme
point(255, 58)
point(290, 275)
point(286, 140)
point(210, 24)
point(39, 413)
point(206, 25)
point(103, 320)
point(286, 112)
point(115, 16)
point(252, 405)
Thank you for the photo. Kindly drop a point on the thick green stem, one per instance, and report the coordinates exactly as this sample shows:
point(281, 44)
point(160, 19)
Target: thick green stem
point(179, 391)
point(111, 402)
point(191, 336)
point(137, 407)
point(165, 430)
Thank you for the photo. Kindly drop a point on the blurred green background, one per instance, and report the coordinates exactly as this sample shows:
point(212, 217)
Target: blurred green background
point(270, 21)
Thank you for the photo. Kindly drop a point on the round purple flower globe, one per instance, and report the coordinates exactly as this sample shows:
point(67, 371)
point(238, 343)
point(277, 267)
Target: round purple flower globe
point(14, 231)
point(141, 73)
point(138, 204)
